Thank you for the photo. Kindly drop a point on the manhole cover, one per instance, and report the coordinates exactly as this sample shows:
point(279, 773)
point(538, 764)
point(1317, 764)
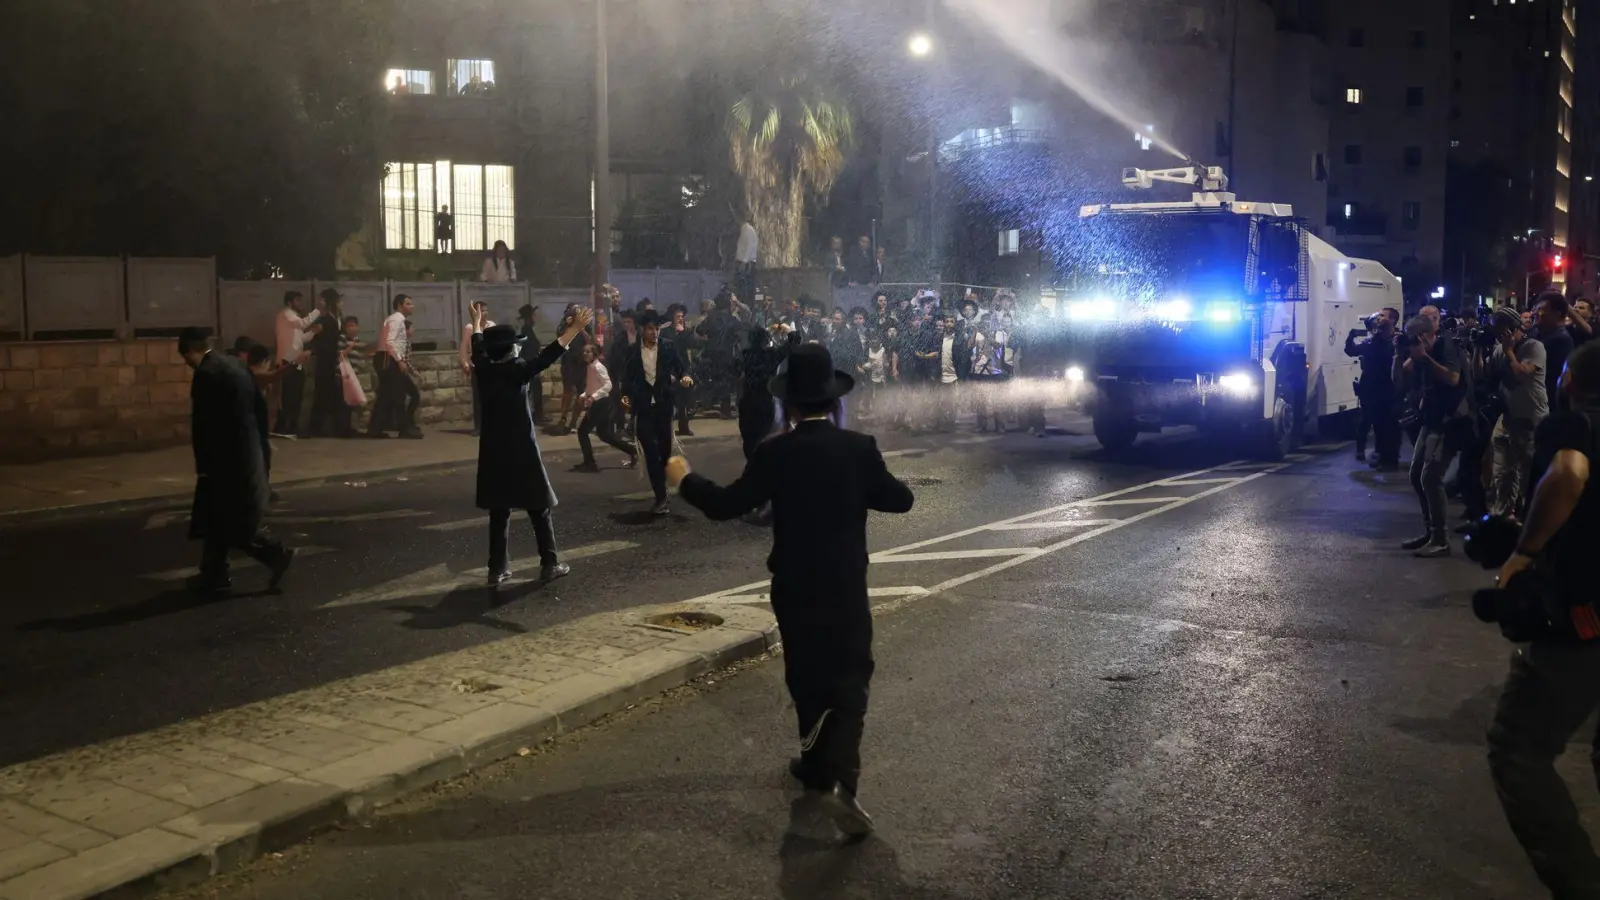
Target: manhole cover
point(922, 481)
point(684, 622)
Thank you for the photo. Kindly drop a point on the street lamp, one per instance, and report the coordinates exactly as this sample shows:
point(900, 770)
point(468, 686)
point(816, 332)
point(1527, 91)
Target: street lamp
point(920, 45)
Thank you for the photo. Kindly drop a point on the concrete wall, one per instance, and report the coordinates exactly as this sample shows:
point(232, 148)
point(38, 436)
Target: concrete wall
point(94, 397)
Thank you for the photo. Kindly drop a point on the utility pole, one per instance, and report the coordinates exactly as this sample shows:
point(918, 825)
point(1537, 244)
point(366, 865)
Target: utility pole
point(602, 162)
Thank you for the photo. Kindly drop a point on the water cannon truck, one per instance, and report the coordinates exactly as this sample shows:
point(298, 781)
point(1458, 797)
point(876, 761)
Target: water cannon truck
point(1218, 313)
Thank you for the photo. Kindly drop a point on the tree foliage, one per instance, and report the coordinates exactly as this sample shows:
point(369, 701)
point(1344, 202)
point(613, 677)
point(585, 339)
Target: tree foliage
point(788, 136)
point(241, 129)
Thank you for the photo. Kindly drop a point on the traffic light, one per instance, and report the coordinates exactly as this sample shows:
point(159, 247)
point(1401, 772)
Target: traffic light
point(1555, 263)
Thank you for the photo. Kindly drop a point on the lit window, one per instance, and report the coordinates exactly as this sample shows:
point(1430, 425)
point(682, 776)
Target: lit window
point(481, 198)
point(1010, 242)
point(1349, 210)
point(408, 81)
point(471, 77)
point(1352, 96)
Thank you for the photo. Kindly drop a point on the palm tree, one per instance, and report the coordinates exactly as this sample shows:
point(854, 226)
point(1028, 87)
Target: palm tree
point(787, 141)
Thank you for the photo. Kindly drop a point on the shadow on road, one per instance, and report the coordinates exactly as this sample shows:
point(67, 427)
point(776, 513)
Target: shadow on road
point(469, 606)
point(165, 603)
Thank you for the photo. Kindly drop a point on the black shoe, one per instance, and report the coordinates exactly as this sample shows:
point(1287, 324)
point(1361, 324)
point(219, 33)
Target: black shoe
point(847, 813)
point(207, 584)
point(280, 568)
point(498, 578)
point(414, 434)
point(1437, 547)
point(660, 509)
point(589, 466)
point(548, 574)
point(1417, 543)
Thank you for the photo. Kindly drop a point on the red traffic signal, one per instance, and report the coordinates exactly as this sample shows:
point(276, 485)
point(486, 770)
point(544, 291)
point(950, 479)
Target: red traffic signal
point(1555, 263)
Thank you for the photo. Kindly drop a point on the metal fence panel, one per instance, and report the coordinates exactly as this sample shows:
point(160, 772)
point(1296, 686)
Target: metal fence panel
point(503, 301)
point(550, 303)
point(437, 319)
point(248, 308)
point(74, 296)
point(665, 287)
point(172, 293)
point(13, 326)
point(368, 301)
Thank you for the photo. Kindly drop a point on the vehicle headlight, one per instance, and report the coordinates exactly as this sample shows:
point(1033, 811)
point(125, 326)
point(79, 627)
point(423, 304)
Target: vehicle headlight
point(1074, 374)
point(1237, 383)
point(1178, 310)
point(1222, 312)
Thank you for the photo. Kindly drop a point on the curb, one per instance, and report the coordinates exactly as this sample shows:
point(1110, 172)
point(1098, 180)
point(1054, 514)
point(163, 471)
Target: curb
point(10, 518)
point(224, 837)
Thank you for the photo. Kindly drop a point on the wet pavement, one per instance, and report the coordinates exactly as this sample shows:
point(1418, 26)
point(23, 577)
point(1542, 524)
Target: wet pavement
point(1238, 689)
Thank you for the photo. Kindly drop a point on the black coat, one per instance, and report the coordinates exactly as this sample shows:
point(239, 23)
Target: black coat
point(511, 472)
point(670, 368)
point(228, 428)
point(821, 481)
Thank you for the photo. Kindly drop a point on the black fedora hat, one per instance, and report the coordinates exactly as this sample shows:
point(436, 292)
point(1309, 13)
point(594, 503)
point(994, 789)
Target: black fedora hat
point(811, 377)
point(498, 338)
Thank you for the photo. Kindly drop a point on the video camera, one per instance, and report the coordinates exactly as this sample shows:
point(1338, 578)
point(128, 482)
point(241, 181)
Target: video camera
point(1531, 606)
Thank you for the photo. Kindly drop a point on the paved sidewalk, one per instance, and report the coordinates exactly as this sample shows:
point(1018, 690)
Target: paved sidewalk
point(182, 803)
point(133, 477)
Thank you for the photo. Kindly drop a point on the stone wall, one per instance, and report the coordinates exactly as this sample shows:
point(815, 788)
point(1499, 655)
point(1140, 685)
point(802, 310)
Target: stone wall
point(91, 397)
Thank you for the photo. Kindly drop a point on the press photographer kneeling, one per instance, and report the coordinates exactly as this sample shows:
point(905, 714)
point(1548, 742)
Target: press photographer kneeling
point(1546, 596)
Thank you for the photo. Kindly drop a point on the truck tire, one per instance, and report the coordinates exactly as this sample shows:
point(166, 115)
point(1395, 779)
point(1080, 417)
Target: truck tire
point(1115, 432)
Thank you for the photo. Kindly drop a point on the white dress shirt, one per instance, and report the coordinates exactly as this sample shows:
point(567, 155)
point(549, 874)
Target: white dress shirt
point(466, 341)
point(392, 339)
point(498, 272)
point(746, 250)
point(291, 333)
point(947, 360)
point(648, 356)
point(597, 382)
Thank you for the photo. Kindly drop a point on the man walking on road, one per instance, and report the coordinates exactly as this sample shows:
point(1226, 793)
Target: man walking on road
point(228, 428)
point(654, 371)
point(291, 328)
point(821, 481)
point(398, 397)
point(511, 472)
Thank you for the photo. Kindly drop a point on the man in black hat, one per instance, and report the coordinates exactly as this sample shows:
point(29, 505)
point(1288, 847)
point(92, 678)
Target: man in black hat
point(821, 480)
point(654, 370)
point(511, 472)
point(228, 427)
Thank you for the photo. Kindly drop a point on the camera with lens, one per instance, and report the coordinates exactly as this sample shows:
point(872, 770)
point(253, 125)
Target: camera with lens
point(1531, 606)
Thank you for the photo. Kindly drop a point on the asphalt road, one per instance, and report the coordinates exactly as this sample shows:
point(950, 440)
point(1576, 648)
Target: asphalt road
point(1249, 695)
point(98, 639)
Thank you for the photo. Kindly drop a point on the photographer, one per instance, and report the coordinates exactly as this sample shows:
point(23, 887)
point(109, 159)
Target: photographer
point(1554, 684)
point(1375, 390)
point(1434, 365)
point(1518, 367)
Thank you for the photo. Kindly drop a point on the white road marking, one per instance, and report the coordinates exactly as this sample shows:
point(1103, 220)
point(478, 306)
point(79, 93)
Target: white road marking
point(385, 515)
point(166, 517)
point(645, 495)
point(1324, 448)
point(236, 564)
point(1108, 499)
point(439, 579)
point(896, 454)
point(1197, 481)
point(1054, 523)
point(1135, 501)
point(462, 525)
point(901, 591)
point(937, 555)
point(980, 439)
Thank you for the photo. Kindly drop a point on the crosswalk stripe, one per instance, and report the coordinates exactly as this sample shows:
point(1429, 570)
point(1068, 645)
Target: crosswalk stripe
point(440, 579)
point(1192, 482)
point(463, 524)
point(246, 563)
point(1134, 501)
point(898, 591)
point(952, 554)
point(1063, 523)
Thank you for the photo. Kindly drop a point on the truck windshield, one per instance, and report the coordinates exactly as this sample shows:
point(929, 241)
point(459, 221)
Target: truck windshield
point(1151, 257)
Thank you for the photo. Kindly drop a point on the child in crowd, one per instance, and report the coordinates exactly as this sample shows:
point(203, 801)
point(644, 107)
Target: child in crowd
point(596, 402)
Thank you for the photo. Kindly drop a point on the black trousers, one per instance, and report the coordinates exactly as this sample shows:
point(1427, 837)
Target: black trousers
point(398, 399)
point(544, 533)
point(1378, 414)
point(600, 420)
point(653, 430)
point(329, 414)
point(477, 403)
point(293, 382)
point(261, 547)
point(683, 398)
point(1551, 690)
point(827, 666)
point(757, 415)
